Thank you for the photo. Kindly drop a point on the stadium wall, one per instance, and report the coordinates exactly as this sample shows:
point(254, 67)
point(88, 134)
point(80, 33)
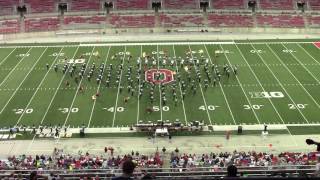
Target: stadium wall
point(188, 33)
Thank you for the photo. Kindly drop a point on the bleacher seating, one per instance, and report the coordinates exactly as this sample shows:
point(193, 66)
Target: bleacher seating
point(7, 6)
point(314, 4)
point(227, 4)
point(180, 4)
point(314, 21)
point(218, 20)
point(43, 6)
point(276, 5)
point(280, 21)
point(9, 26)
point(167, 20)
point(132, 4)
point(42, 24)
point(84, 5)
point(76, 20)
point(134, 21)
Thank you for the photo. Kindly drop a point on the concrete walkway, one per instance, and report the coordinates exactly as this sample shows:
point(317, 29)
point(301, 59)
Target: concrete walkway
point(186, 144)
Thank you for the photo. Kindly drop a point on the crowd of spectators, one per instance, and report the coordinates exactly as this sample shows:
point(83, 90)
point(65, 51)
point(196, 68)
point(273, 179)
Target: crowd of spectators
point(243, 159)
point(58, 161)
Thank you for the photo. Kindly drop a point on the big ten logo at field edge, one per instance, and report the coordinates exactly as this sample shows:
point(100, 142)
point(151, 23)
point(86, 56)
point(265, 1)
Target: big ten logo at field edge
point(161, 76)
point(72, 61)
point(275, 94)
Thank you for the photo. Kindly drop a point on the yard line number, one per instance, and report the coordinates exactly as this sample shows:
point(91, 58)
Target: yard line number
point(21, 111)
point(209, 107)
point(66, 110)
point(254, 106)
point(297, 106)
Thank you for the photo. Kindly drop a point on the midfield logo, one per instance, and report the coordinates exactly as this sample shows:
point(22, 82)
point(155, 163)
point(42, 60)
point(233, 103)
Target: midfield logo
point(161, 76)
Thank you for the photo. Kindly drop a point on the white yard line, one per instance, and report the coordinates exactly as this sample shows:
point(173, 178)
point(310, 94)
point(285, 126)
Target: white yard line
point(55, 93)
point(138, 108)
point(184, 109)
point(317, 62)
point(311, 97)
point(77, 90)
point(12, 70)
point(279, 80)
point(254, 74)
point(47, 110)
point(204, 100)
point(307, 71)
point(254, 112)
point(225, 98)
point(159, 84)
point(94, 103)
point(116, 105)
point(3, 60)
point(27, 106)
point(25, 77)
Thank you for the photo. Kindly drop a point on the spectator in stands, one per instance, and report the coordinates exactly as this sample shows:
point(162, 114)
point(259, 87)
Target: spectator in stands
point(317, 173)
point(127, 171)
point(232, 171)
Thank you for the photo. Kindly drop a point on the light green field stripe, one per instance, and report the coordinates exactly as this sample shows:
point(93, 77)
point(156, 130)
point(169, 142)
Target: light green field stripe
point(282, 79)
point(38, 87)
point(21, 82)
point(249, 102)
point(127, 113)
point(98, 90)
point(7, 75)
point(50, 106)
point(221, 88)
point(4, 56)
point(45, 93)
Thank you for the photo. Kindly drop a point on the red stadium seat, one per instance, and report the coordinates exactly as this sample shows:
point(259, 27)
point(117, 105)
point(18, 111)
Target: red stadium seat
point(7, 6)
point(280, 21)
point(84, 5)
point(180, 4)
point(276, 5)
point(132, 21)
point(227, 4)
point(43, 6)
point(132, 4)
point(218, 20)
point(314, 21)
point(314, 4)
point(9, 26)
point(42, 24)
point(168, 20)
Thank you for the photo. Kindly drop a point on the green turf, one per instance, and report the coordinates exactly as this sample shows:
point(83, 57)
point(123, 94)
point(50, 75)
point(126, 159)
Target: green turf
point(31, 95)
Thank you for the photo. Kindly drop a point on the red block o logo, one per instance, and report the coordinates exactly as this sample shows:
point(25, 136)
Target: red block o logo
point(161, 76)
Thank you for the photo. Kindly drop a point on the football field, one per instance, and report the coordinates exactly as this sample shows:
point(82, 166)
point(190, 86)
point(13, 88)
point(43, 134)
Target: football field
point(122, 84)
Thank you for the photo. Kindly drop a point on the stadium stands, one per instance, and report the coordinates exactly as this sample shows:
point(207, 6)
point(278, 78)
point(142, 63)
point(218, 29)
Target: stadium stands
point(43, 6)
point(251, 163)
point(180, 4)
point(314, 4)
point(84, 5)
point(135, 21)
point(132, 4)
point(9, 26)
point(7, 6)
point(276, 5)
point(168, 20)
point(42, 24)
point(219, 20)
point(76, 20)
point(227, 4)
point(280, 21)
point(314, 21)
